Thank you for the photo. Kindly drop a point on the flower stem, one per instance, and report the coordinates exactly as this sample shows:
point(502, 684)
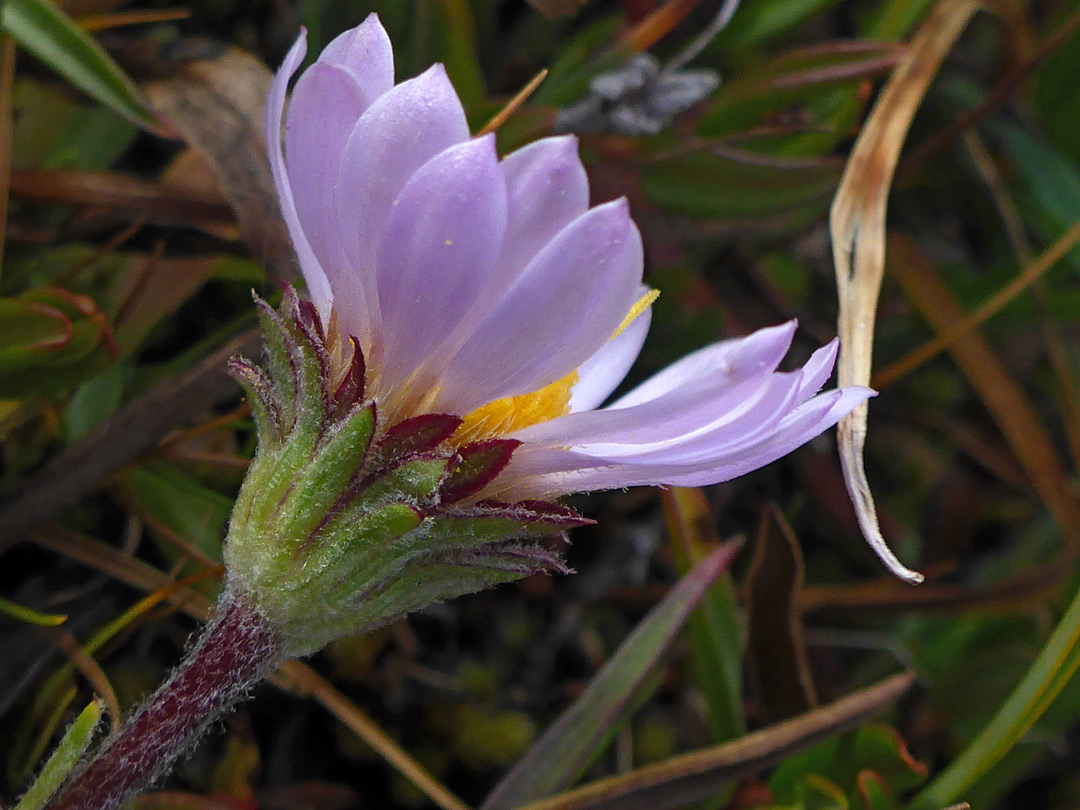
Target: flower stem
point(236, 650)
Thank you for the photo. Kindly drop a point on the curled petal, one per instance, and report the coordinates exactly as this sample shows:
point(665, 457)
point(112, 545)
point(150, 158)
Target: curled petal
point(818, 369)
point(739, 357)
point(683, 441)
point(802, 425)
point(548, 472)
point(686, 396)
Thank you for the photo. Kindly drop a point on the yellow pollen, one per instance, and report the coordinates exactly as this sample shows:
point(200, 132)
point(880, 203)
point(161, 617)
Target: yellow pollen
point(513, 413)
point(642, 304)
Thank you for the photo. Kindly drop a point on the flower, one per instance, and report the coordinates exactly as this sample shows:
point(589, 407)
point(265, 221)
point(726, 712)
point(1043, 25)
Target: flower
point(468, 317)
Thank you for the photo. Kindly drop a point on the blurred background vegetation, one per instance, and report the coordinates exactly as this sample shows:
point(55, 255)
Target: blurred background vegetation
point(139, 217)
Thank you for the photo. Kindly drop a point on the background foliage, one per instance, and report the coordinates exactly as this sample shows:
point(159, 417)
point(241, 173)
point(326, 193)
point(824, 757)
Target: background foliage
point(140, 216)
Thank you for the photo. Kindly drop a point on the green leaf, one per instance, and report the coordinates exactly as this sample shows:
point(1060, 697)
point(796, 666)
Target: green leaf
point(874, 753)
point(56, 129)
point(1048, 675)
point(458, 51)
point(802, 77)
point(575, 738)
point(1052, 178)
point(758, 21)
point(738, 184)
point(50, 340)
point(64, 758)
point(94, 401)
point(714, 626)
point(58, 41)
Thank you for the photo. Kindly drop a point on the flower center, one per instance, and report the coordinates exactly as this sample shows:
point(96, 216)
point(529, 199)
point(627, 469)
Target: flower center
point(506, 415)
point(513, 413)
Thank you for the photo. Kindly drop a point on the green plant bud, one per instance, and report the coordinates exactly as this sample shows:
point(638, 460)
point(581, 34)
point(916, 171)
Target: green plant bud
point(345, 523)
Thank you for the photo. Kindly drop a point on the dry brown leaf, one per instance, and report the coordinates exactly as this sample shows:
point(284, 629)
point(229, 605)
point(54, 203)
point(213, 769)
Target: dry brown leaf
point(776, 652)
point(857, 222)
point(217, 103)
point(130, 196)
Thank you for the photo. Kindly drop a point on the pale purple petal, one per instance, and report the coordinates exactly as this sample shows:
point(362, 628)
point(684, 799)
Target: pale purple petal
point(317, 282)
point(566, 304)
point(547, 189)
point(687, 396)
point(810, 420)
point(549, 472)
point(737, 357)
point(401, 131)
point(366, 53)
point(323, 110)
point(686, 441)
point(328, 100)
point(601, 374)
point(437, 255)
point(818, 369)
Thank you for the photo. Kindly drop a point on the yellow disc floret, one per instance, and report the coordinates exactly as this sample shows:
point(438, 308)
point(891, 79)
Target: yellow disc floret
point(514, 413)
point(506, 415)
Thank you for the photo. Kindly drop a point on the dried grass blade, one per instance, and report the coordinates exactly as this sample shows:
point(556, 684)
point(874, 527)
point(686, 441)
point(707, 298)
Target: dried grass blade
point(90, 670)
point(514, 104)
point(996, 388)
point(857, 222)
point(682, 780)
point(953, 331)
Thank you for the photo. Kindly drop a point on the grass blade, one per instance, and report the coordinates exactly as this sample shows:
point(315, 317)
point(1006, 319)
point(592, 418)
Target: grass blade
point(684, 779)
point(66, 756)
point(559, 755)
point(58, 41)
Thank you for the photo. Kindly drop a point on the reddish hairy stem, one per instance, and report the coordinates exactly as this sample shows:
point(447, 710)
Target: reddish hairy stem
point(237, 649)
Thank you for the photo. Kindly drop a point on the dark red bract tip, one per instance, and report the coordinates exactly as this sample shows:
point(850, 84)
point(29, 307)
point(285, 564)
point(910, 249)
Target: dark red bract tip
point(418, 434)
point(476, 466)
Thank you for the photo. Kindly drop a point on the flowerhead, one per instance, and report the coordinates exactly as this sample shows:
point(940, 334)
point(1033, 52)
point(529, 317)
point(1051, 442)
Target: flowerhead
point(469, 315)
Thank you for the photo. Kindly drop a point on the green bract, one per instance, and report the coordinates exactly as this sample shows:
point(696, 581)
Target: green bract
point(343, 522)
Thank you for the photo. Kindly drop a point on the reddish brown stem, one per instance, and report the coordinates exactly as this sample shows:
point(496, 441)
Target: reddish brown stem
point(236, 650)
